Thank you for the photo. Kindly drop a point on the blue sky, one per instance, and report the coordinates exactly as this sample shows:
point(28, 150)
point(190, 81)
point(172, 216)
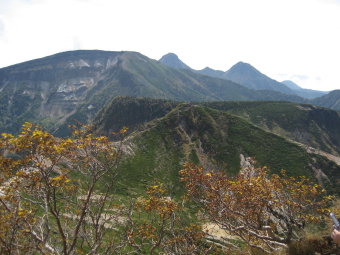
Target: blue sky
point(285, 39)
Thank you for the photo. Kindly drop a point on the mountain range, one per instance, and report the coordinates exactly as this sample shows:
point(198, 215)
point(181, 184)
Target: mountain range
point(177, 114)
point(75, 85)
point(246, 75)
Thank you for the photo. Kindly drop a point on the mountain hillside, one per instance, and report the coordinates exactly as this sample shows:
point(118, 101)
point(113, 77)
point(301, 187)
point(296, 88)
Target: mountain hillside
point(310, 125)
point(306, 124)
point(216, 140)
point(130, 112)
point(57, 89)
point(53, 88)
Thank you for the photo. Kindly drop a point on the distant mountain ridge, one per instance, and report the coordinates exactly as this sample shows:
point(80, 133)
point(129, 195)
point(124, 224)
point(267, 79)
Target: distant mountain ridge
point(307, 93)
point(292, 85)
point(241, 73)
point(57, 89)
point(248, 76)
point(75, 85)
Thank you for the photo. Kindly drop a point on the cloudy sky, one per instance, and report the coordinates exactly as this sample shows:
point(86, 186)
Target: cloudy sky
point(285, 39)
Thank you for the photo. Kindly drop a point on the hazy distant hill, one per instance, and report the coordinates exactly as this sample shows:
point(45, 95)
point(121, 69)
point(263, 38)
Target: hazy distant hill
point(77, 84)
point(330, 100)
point(211, 72)
point(307, 93)
point(292, 85)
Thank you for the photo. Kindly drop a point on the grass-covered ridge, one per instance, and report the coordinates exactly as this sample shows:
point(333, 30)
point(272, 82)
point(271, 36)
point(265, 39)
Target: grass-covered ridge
point(214, 139)
point(311, 125)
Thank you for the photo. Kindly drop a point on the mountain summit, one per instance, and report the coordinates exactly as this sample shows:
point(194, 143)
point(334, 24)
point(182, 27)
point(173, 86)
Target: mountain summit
point(172, 60)
point(248, 76)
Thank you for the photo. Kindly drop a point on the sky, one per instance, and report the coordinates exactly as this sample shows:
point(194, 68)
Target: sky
point(298, 40)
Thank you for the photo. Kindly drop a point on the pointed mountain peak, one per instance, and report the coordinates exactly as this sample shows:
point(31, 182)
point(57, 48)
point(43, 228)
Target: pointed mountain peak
point(170, 55)
point(243, 67)
point(207, 69)
point(248, 76)
point(172, 60)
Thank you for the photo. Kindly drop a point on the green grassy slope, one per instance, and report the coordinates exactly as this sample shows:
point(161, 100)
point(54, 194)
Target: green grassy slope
point(314, 126)
point(214, 139)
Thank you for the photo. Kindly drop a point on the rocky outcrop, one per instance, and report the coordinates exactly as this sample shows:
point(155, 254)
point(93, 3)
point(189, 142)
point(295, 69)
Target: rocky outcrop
point(53, 88)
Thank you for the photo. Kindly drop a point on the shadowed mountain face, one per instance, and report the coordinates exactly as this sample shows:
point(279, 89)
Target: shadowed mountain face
point(130, 112)
point(75, 85)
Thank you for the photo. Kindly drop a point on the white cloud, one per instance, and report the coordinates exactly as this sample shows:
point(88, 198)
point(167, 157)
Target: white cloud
point(2, 28)
point(275, 36)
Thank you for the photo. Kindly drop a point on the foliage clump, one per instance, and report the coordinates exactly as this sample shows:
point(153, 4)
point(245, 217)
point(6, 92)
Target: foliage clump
point(265, 211)
point(57, 197)
point(43, 207)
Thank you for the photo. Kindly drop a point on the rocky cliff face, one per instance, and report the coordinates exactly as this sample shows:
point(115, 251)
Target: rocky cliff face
point(52, 88)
